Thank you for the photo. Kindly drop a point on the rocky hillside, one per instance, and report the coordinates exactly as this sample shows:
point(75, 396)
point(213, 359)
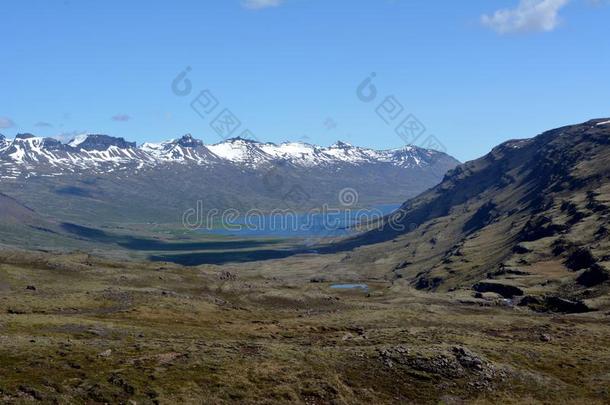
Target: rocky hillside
point(529, 217)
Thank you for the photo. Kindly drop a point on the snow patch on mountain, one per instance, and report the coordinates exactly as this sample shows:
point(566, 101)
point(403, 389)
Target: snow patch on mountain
point(78, 140)
point(242, 151)
point(345, 152)
point(299, 153)
point(183, 150)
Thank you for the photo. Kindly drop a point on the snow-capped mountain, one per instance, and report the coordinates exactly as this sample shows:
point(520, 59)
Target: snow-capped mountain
point(184, 150)
point(98, 178)
point(28, 155)
point(242, 152)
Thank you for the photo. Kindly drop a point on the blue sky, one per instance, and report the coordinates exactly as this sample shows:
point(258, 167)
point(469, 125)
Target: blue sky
point(473, 73)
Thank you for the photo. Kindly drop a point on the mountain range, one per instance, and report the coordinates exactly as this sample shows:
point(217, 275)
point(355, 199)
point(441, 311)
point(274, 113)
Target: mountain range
point(27, 155)
point(98, 180)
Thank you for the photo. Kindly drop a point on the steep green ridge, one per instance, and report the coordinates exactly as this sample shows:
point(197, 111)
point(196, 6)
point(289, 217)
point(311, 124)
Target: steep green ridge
point(530, 211)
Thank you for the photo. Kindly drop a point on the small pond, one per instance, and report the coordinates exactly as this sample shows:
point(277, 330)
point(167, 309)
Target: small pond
point(350, 286)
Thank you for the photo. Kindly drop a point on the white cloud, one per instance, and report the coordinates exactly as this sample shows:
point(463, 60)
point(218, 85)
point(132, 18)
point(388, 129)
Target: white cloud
point(258, 4)
point(528, 16)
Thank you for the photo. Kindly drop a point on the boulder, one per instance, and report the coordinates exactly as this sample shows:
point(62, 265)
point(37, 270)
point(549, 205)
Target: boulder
point(467, 359)
point(545, 337)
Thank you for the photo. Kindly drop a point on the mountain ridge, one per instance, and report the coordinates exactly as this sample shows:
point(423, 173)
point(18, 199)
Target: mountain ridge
point(530, 211)
point(104, 152)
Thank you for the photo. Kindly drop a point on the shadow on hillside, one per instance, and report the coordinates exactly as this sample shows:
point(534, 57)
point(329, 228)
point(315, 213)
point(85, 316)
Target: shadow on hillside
point(217, 252)
point(150, 245)
point(198, 258)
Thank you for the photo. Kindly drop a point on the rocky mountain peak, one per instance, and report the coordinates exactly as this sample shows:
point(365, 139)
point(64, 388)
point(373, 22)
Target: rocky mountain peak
point(24, 136)
point(53, 144)
point(239, 139)
point(341, 145)
point(188, 141)
point(98, 142)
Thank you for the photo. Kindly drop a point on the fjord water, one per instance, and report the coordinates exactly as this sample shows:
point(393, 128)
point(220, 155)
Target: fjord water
point(313, 224)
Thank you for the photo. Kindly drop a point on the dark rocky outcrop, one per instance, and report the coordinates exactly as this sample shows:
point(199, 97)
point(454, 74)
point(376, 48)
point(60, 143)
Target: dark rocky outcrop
point(467, 359)
point(520, 249)
point(505, 290)
point(428, 283)
point(594, 276)
point(560, 246)
point(553, 304)
point(558, 304)
point(188, 141)
point(579, 259)
point(539, 227)
point(530, 301)
point(24, 136)
point(402, 265)
point(103, 142)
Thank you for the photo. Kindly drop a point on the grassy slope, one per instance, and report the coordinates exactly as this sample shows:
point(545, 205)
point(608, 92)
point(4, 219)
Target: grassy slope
point(108, 332)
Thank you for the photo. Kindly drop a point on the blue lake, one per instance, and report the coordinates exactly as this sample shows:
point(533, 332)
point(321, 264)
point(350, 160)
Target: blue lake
point(350, 286)
point(314, 224)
